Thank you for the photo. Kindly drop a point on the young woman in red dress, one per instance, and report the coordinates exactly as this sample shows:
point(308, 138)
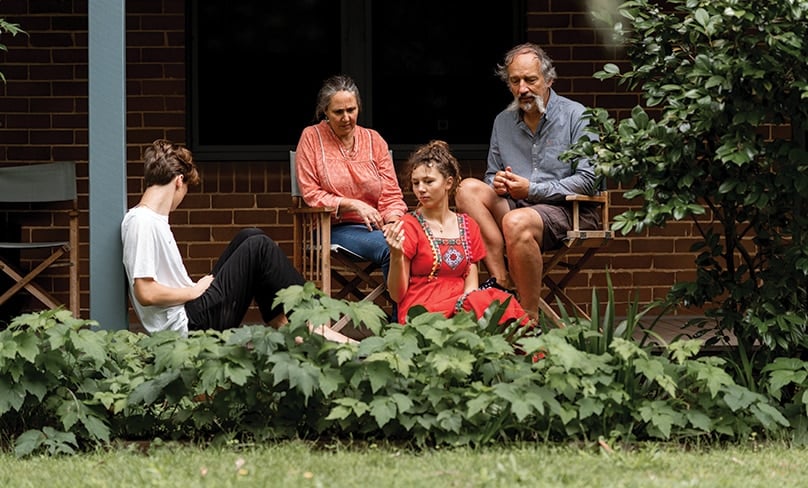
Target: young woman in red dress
point(434, 251)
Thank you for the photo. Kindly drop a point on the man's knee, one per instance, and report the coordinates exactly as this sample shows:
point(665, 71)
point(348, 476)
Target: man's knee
point(469, 191)
point(522, 224)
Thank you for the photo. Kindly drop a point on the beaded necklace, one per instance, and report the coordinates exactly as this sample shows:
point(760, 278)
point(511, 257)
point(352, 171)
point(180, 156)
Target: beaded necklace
point(433, 243)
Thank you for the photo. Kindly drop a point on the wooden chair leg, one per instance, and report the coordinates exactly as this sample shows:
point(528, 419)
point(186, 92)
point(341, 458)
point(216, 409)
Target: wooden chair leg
point(27, 283)
point(550, 314)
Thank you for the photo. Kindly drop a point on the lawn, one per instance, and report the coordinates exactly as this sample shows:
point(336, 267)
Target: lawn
point(303, 464)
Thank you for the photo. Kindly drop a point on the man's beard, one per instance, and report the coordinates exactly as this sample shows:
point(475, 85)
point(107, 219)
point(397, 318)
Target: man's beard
point(537, 101)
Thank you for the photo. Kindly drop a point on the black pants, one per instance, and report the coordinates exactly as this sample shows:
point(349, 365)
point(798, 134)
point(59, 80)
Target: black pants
point(252, 267)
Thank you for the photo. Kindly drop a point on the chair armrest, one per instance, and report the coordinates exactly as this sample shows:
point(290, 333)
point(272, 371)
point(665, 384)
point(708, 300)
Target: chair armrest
point(601, 199)
point(597, 198)
point(311, 210)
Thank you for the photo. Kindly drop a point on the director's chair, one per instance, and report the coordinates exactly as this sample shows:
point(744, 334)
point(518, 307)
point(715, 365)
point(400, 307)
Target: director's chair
point(29, 192)
point(321, 261)
point(569, 260)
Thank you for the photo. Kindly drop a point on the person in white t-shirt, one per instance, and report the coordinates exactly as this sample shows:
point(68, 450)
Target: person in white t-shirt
point(252, 267)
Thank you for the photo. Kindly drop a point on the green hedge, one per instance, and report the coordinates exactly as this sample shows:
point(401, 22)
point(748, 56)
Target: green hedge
point(66, 387)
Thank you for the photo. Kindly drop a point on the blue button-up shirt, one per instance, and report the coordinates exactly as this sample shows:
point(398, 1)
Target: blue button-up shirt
point(535, 155)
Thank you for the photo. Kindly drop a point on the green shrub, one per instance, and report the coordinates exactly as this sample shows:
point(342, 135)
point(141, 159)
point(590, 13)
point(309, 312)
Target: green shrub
point(65, 387)
point(716, 77)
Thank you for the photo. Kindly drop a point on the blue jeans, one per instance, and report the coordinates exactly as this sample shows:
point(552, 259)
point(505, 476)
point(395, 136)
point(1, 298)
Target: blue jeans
point(371, 245)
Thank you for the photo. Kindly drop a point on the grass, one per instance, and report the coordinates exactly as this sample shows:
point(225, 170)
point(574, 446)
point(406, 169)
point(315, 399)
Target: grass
point(302, 464)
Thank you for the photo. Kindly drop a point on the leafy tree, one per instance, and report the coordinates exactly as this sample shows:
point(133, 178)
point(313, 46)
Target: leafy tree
point(721, 142)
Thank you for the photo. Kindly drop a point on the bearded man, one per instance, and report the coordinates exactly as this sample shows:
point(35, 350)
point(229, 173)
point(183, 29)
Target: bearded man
point(520, 204)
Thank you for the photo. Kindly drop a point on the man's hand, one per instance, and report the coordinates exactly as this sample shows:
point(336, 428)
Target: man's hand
point(509, 183)
point(203, 284)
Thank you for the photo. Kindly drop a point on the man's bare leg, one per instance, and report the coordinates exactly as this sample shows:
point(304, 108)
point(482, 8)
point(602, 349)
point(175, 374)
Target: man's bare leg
point(523, 230)
point(478, 200)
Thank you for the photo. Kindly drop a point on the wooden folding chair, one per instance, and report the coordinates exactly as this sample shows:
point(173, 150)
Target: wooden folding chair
point(321, 261)
point(27, 192)
point(589, 241)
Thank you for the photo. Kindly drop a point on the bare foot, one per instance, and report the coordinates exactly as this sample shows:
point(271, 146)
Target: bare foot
point(331, 334)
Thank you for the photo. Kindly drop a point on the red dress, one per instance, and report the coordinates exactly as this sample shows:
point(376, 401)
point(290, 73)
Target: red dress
point(438, 281)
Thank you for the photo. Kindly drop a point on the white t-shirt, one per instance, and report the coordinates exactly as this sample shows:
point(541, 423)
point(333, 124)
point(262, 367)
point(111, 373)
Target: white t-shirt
point(150, 251)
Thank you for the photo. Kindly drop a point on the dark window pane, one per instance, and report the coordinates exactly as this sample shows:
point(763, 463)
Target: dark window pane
point(258, 66)
point(425, 70)
point(433, 69)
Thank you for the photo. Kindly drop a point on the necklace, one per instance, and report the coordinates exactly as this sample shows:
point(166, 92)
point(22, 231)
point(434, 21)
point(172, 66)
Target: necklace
point(347, 150)
point(452, 257)
point(438, 224)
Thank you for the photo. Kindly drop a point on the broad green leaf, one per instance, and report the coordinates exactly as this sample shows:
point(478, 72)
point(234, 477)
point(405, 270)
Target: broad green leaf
point(739, 398)
point(27, 346)
point(379, 375)
point(453, 361)
point(96, 427)
point(588, 406)
point(92, 345)
point(382, 409)
point(302, 377)
point(779, 379)
point(149, 391)
point(699, 420)
point(28, 442)
point(12, 395)
point(769, 416)
point(237, 374)
point(402, 401)
point(331, 380)
point(660, 415)
point(480, 403)
point(450, 420)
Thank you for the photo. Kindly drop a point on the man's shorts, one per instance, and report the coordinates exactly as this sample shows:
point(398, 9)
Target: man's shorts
point(558, 220)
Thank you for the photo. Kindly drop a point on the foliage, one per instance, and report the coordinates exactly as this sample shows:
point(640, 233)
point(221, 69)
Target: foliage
point(716, 75)
point(8, 28)
point(433, 381)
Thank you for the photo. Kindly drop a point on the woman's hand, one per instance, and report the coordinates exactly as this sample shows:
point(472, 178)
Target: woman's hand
point(394, 235)
point(369, 215)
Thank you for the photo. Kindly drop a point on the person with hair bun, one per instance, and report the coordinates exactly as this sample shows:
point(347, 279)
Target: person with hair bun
point(252, 267)
point(434, 251)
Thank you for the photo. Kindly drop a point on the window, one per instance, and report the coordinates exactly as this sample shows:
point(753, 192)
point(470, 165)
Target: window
point(425, 70)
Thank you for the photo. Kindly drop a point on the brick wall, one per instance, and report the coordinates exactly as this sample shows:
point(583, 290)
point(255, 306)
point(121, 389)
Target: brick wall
point(43, 117)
